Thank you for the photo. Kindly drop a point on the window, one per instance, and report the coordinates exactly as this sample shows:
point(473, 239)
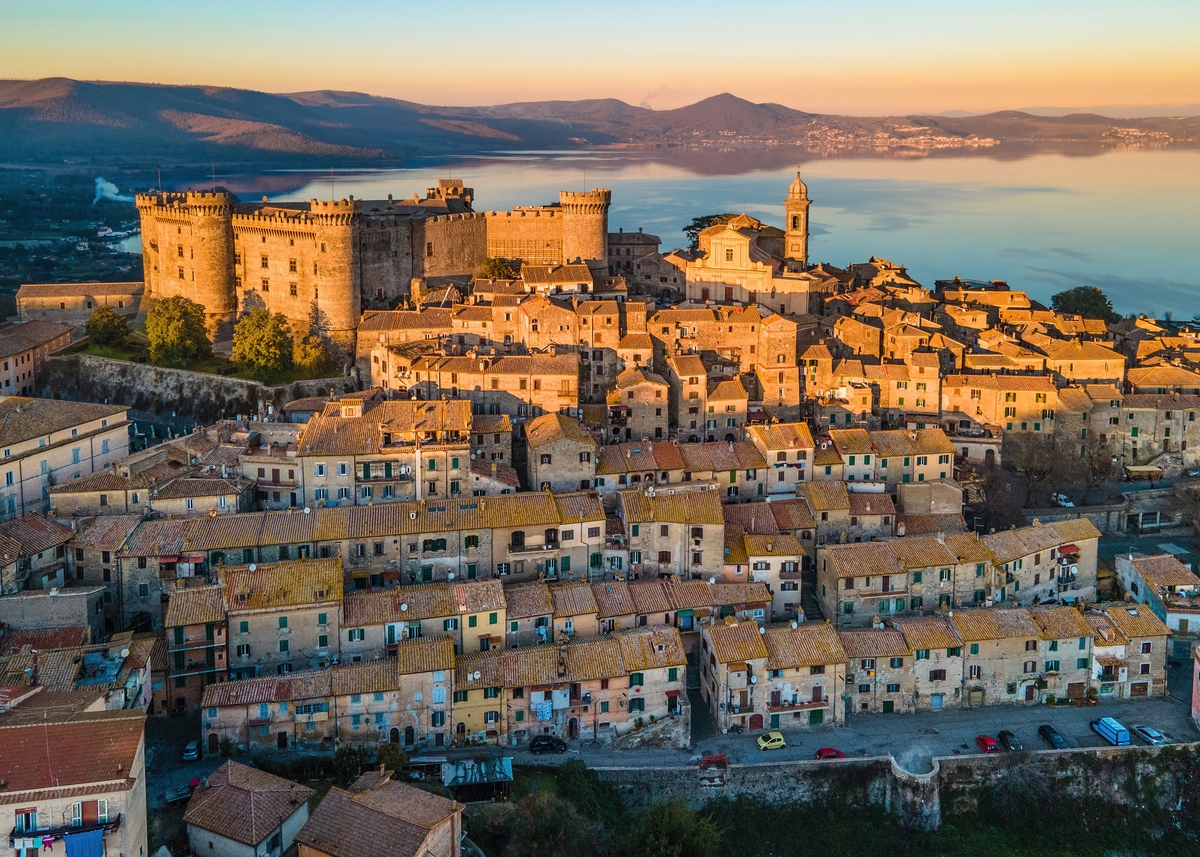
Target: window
point(1029, 667)
point(284, 646)
point(922, 654)
point(450, 624)
point(937, 675)
point(283, 622)
point(356, 635)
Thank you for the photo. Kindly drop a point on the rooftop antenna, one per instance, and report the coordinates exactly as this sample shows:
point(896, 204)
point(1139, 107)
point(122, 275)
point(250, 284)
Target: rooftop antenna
point(160, 179)
point(331, 194)
point(214, 176)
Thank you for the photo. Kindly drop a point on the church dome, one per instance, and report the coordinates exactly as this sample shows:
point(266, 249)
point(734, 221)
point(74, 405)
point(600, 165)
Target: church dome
point(798, 188)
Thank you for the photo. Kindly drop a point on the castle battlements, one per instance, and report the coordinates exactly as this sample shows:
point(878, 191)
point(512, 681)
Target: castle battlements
point(596, 194)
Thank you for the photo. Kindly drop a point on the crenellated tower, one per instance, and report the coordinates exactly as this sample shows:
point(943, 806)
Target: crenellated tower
point(187, 248)
point(585, 224)
point(336, 226)
point(796, 208)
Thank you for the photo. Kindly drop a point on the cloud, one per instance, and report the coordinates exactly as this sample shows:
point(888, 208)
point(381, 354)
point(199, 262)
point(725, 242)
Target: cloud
point(107, 190)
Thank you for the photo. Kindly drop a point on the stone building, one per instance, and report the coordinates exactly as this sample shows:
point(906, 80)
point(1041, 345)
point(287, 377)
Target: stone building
point(788, 450)
point(1129, 652)
point(731, 654)
point(196, 644)
point(345, 256)
point(1001, 656)
point(23, 352)
point(880, 669)
point(937, 662)
point(638, 406)
point(806, 665)
point(682, 533)
point(1046, 561)
point(1066, 651)
point(561, 454)
point(73, 303)
point(215, 819)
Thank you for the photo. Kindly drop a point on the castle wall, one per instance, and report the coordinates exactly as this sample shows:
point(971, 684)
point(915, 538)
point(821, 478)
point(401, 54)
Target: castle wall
point(531, 235)
point(275, 256)
point(585, 224)
point(450, 244)
point(385, 251)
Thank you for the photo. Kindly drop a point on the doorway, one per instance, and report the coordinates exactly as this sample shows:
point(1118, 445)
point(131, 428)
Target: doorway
point(214, 744)
point(572, 728)
point(394, 735)
point(756, 722)
point(410, 736)
point(281, 740)
point(935, 701)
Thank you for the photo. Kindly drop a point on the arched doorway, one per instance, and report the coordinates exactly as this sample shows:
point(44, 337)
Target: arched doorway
point(410, 737)
point(572, 728)
point(729, 437)
point(214, 744)
point(394, 735)
point(460, 732)
point(756, 721)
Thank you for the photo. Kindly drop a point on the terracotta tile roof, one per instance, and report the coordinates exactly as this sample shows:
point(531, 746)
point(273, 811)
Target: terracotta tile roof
point(332, 434)
point(572, 599)
point(792, 514)
point(195, 605)
point(1136, 621)
point(994, 623)
point(57, 669)
point(650, 596)
point(620, 458)
point(783, 545)
point(105, 532)
point(36, 533)
point(272, 586)
point(653, 647)
point(1004, 383)
point(1014, 544)
point(551, 428)
point(930, 633)
point(69, 637)
point(753, 518)
point(728, 390)
point(781, 436)
point(495, 470)
point(865, 559)
point(686, 365)
point(874, 644)
point(55, 290)
point(398, 816)
point(98, 747)
point(528, 600)
point(633, 377)
point(721, 455)
point(489, 665)
point(922, 552)
point(479, 596)
point(690, 507)
point(158, 538)
point(969, 547)
point(491, 423)
point(864, 503)
point(1162, 376)
point(807, 645)
point(225, 532)
point(595, 658)
point(737, 642)
point(245, 804)
point(852, 441)
point(531, 666)
point(1159, 402)
point(103, 480)
point(1060, 623)
point(1106, 632)
point(423, 655)
point(612, 599)
point(23, 419)
point(928, 525)
point(825, 496)
point(1165, 570)
point(825, 456)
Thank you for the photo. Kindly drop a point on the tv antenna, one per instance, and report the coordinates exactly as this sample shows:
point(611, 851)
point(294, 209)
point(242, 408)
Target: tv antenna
point(332, 196)
point(214, 176)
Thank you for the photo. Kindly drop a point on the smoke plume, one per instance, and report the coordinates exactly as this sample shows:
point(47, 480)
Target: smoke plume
point(107, 190)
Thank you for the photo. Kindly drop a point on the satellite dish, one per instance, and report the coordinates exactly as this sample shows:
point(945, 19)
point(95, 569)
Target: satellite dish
point(712, 580)
point(124, 653)
point(307, 510)
point(475, 675)
point(795, 625)
point(450, 576)
point(761, 629)
point(754, 679)
point(252, 567)
point(404, 608)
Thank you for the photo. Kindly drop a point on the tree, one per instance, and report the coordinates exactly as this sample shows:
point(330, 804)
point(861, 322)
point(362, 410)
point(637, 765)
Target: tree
point(673, 830)
point(1097, 461)
point(312, 356)
point(175, 328)
point(262, 343)
point(1087, 301)
point(106, 328)
point(544, 825)
point(579, 786)
point(699, 224)
point(349, 762)
point(392, 757)
point(497, 269)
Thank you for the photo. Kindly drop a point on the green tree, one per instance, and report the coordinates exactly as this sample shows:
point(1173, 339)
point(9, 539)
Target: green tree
point(107, 328)
point(313, 356)
point(349, 762)
point(392, 757)
point(1087, 301)
point(175, 328)
point(493, 268)
point(262, 343)
point(699, 224)
point(673, 830)
point(580, 787)
point(544, 825)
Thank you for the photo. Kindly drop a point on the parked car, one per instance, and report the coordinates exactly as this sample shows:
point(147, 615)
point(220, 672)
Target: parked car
point(987, 743)
point(1111, 731)
point(1010, 741)
point(771, 741)
point(191, 753)
point(1150, 735)
point(1062, 500)
point(1050, 735)
point(829, 753)
point(547, 744)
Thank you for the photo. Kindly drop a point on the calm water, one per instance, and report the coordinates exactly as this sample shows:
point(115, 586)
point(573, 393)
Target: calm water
point(1125, 221)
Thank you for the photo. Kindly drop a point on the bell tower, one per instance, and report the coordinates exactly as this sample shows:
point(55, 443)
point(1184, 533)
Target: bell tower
point(796, 207)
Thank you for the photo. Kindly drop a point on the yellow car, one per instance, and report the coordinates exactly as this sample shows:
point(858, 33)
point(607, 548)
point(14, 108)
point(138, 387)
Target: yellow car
point(771, 741)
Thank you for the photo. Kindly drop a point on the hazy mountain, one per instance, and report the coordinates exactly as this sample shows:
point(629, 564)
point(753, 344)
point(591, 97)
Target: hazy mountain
point(52, 119)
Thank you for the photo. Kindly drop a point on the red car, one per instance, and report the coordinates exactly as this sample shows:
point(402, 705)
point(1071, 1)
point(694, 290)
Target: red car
point(829, 753)
point(987, 743)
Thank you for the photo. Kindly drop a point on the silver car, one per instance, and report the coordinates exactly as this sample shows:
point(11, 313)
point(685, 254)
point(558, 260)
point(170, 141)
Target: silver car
point(1150, 735)
point(191, 752)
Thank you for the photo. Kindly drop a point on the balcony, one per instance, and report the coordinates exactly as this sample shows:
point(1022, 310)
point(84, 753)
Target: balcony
point(783, 706)
point(522, 549)
point(108, 826)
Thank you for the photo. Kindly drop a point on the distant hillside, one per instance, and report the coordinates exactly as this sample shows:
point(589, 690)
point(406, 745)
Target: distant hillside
point(52, 119)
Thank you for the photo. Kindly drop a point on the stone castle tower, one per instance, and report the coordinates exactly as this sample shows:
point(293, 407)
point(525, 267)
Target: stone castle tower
point(585, 224)
point(187, 249)
point(796, 208)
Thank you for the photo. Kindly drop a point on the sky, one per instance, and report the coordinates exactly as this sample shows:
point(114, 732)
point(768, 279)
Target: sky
point(862, 57)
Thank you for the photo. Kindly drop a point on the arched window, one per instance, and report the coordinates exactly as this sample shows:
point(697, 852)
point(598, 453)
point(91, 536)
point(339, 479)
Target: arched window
point(795, 221)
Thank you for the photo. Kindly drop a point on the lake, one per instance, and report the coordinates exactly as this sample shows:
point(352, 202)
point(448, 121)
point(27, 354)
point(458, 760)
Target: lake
point(1126, 221)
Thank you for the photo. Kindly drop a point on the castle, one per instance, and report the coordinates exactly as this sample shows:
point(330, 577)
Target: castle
point(329, 260)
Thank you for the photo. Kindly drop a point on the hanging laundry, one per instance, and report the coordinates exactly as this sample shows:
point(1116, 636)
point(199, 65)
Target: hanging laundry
point(545, 711)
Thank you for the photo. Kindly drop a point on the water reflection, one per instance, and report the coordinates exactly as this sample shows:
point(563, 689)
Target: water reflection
point(1125, 221)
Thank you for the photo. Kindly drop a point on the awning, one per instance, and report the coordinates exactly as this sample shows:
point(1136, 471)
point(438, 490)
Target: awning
point(1068, 549)
point(686, 613)
point(671, 693)
point(87, 844)
point(168, 559)
point(1108, 661)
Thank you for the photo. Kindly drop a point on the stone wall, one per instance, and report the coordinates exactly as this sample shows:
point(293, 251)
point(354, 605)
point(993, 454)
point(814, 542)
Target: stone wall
point(1124, 776)
point(1107, 519)
point(169, 397)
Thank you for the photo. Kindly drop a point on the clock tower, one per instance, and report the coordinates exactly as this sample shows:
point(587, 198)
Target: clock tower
point(796, 207)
